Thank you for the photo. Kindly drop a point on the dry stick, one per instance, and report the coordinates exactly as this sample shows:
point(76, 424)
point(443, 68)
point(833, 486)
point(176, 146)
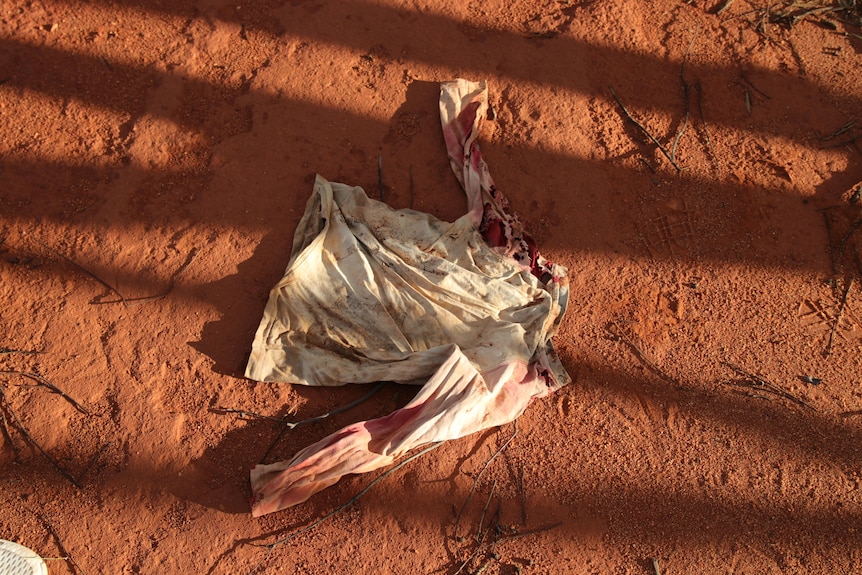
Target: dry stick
point(272, 546)
point(380, 176)
point(6, 434)
point(699, 89)
point(60, 545)
point(741, 79)
point(655, 566)
point(757, 382)
point(93, 461)
point(479, 476)
point(285, 425)
point(23, 431)
point(727, 4)
point(42, 382)
point(410, 173)
point(839, 131)
point(853, 227)
point(243, 414)
point(485, 510)
point(530, 531)
point(686, 90)
point(645, 131)
point(83, 269)
point(136, 301)
point(619, 333)
point(847, 142)
point(829, 243)
point(838, 317)
point(469, 559)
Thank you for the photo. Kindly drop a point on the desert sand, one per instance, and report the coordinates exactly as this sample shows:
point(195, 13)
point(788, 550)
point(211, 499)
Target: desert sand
point(694, 164)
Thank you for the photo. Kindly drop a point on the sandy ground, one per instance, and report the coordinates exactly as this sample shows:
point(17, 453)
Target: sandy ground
point(155, 157)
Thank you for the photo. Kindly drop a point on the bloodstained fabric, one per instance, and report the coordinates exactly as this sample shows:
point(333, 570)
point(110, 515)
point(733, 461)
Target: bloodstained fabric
point(465, 309)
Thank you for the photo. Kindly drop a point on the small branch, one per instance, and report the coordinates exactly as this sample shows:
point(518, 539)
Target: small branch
point(60, 546)
point(761, 384)
point(479, 476)
point(620, 334)
point(29, 438)
point(485, 510)
point(93, 461)
point(535, 531)
point(686, 90)
point(42, 382)
point(69, 260)
point(410, 173)
point(829, 246)
point(721, 9)
point(838, 317)
point(645, 131)
point(380, 176)
point(243, 414)
point(6, 434)
point(287, 425)
point(7, 351)
point(846, 127)
point(699, 89)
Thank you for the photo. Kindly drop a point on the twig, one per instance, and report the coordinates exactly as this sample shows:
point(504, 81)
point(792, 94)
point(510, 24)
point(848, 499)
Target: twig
point(272, 546)
point(535, 531)
point(761, 384)
point(60, 546)
point(485, 510)
point(740, 79)
point(699, 89)
point(847, 142)
point(647, 164)
point(6, 434)
point(721, 9)
point(829, 246)
point(410, 174)
point(479, 476)
point(93, 461)
point(31, 441)
point(380, 176)
point(469, 558)
point(42, 382)
point(838, 316)
point(620, 334)
point(655, 566)
point(686, 90)
point(136, 301)
point(849, 125)
point(645, 131)
point(288, 425)
point(243, 414)
point(85, 270)
point(853, 227)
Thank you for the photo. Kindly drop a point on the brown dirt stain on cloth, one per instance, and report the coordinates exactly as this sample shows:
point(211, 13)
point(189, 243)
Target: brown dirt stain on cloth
point(169, 148)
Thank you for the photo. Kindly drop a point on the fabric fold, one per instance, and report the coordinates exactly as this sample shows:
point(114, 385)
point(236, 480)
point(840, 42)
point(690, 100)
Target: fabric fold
point(466, 309)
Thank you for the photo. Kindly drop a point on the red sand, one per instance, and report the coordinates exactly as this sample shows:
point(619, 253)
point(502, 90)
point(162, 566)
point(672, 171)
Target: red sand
point(169, 148)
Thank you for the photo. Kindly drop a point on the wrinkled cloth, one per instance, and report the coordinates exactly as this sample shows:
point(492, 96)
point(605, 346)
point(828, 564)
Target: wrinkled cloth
point(466, 309)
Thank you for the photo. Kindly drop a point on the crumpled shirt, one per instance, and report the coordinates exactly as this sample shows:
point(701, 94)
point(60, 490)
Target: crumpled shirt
point(466, 309)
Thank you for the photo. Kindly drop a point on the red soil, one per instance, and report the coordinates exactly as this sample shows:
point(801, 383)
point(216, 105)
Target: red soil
point(169, 148)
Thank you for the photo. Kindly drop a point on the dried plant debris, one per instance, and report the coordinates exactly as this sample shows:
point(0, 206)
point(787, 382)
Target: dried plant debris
point(762, 387)
point(789, 13)
point(9, 419)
